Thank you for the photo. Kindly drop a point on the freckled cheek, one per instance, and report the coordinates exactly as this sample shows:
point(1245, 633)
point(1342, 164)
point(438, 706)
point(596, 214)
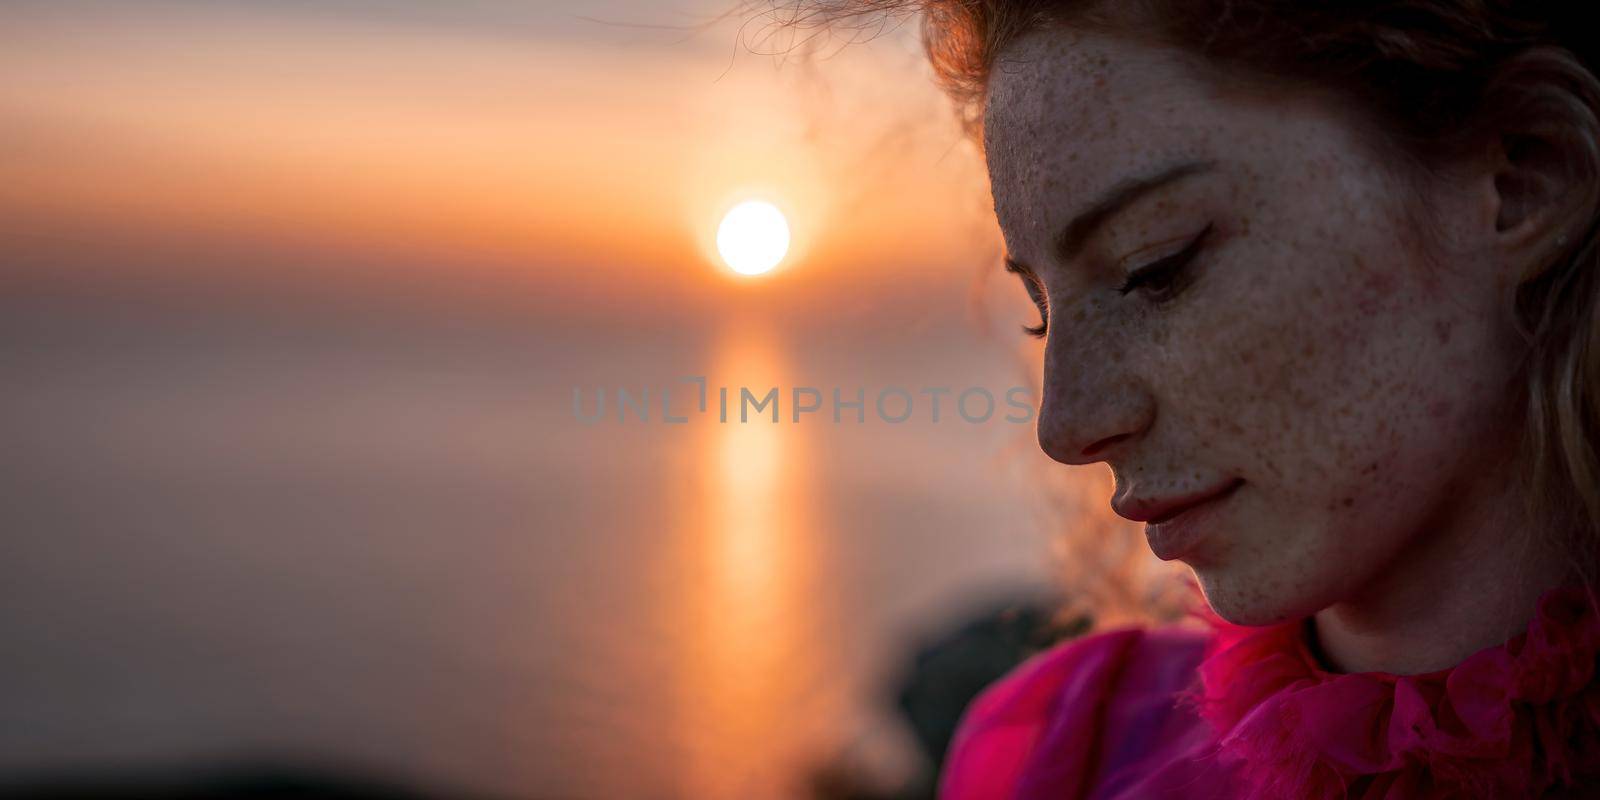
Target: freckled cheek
point(1244, 337)
point(1257, 377)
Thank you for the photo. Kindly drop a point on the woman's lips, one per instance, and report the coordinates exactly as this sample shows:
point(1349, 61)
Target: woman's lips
point(1159, 509)
point(1180, 528)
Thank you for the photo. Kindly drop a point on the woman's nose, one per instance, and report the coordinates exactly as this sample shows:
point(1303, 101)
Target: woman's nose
point(1084, 424)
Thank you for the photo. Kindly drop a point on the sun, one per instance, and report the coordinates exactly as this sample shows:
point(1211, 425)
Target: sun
point(753, 237)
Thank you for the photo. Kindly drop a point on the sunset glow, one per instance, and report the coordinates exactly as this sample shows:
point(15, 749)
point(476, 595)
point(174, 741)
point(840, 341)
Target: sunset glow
point(753, 237)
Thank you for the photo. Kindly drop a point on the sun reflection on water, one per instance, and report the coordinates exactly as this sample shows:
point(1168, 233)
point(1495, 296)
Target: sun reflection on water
point(750, 703)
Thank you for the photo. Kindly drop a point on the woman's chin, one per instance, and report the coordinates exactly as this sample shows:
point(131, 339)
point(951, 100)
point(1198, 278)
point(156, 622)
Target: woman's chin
point(1252, 600)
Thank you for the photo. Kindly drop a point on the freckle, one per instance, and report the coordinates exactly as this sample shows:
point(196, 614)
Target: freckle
point(1439, 408)
point(1349, 501)
point(1442, 327)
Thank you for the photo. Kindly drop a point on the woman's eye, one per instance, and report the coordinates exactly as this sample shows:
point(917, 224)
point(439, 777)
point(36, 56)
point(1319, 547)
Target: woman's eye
point(1160, 278)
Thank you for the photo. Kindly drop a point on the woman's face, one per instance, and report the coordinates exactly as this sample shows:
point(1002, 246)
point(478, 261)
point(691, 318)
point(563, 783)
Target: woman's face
point(1303, 339)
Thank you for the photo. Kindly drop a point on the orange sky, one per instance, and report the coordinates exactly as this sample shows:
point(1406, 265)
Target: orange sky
point(529, 140)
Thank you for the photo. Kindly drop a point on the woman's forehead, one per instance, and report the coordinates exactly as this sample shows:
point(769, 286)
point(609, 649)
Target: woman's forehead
point(1070, 115)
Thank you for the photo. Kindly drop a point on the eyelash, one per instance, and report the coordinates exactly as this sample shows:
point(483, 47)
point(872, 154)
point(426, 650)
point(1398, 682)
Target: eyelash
point(1164, 270)
point(1036, 294)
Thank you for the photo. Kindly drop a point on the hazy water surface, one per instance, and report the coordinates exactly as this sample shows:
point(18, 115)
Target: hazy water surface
point(381, 542)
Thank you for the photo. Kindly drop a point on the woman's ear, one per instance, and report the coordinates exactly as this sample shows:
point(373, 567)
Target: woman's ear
point(1544, 192)
point(1533, 182)
point(1546, 154)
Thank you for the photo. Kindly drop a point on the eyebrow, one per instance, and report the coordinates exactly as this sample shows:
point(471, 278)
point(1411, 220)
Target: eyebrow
point(1072, 238)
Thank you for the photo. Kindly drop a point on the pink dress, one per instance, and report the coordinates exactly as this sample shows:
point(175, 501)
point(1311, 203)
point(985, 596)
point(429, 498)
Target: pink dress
point(1225, 711)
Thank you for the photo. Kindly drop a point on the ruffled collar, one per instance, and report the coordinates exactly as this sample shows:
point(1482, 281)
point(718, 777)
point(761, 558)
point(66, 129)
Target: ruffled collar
point(1513, 720)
